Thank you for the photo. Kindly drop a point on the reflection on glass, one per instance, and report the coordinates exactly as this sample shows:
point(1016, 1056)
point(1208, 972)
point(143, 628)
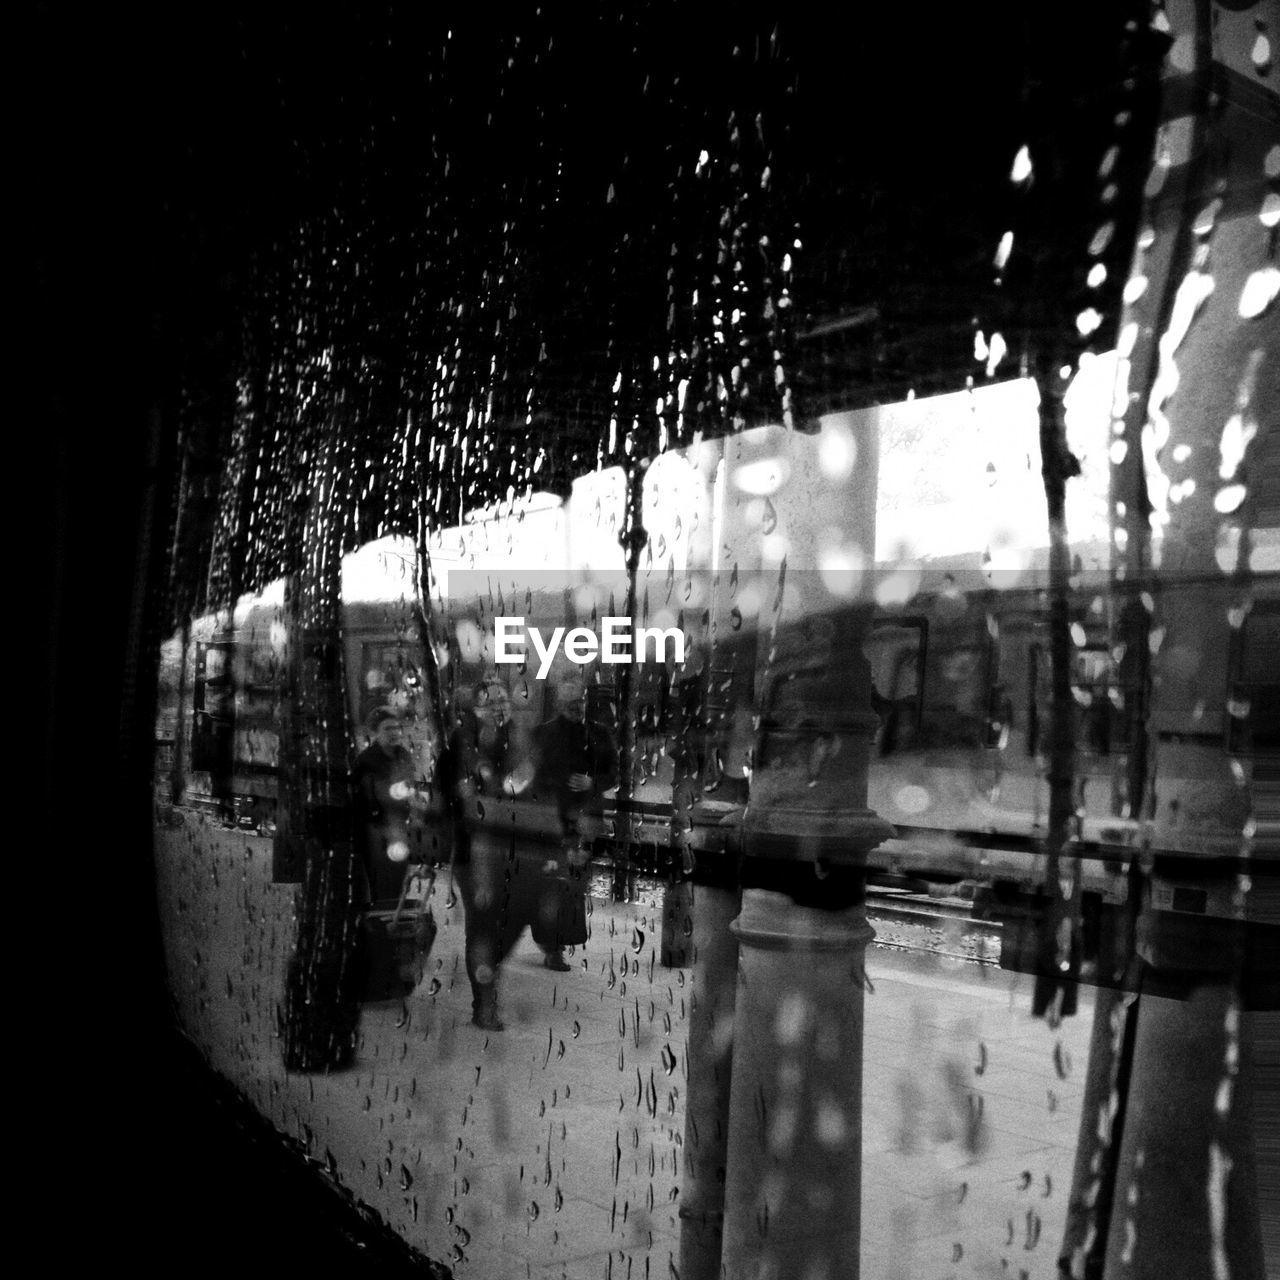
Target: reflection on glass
point(916, 916)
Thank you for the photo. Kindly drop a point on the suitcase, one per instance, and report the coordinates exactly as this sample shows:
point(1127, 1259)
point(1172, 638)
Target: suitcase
point(559, 916)
point(396, 940)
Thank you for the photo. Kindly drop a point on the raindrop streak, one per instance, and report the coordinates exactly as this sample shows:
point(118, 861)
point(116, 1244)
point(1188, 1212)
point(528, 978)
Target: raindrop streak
point(1033, 1230)
point(1061, 1060)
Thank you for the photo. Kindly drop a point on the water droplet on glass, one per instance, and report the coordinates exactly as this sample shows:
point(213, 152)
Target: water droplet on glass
point(1207, 217)
point(1260, 54)
point(1259, 292)
point(1229, 498)
point(1087, 321)
point(1061, 1060)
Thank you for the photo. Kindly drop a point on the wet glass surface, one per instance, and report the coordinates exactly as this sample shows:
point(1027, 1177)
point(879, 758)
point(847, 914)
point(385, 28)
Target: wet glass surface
point(904, 904)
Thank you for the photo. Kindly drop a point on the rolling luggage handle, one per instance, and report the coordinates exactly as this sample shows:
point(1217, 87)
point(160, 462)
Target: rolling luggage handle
point(397, 944)
point(409, 875)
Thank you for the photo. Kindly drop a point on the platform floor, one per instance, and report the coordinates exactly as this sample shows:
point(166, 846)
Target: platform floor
point(498, 1154)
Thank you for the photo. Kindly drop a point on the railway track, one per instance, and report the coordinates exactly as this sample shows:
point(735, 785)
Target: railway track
point(940, 926)
point(903, 921)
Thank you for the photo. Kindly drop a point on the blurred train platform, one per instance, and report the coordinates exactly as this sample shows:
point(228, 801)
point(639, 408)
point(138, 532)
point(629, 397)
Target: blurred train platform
point(553, 1148)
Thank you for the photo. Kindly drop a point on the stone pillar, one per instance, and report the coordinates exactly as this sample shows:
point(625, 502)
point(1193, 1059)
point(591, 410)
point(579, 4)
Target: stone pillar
point(794, 1180)
point(794, 1156)
point(1106, 1092)
point(1186, 1194)
point(1186, 1198)
point(709, 1058)
point(794, 1186)
point(313, 837)
point(698, 915)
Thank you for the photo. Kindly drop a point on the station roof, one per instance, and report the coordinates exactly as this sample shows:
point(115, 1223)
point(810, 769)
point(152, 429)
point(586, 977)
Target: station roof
point(414, 261)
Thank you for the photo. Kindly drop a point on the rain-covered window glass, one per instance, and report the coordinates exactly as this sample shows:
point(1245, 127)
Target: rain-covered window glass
point(716, 710)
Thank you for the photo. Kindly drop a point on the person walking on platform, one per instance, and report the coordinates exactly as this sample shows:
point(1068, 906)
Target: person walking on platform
point(478, 764)
point(575, 763)
point(384, 789)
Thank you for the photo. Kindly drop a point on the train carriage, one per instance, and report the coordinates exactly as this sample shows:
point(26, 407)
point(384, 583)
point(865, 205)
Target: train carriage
point(956, 643)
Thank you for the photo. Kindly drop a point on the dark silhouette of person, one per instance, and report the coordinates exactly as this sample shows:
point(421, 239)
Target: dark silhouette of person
point(476, 766)
point(384, 789)
point(575, 762)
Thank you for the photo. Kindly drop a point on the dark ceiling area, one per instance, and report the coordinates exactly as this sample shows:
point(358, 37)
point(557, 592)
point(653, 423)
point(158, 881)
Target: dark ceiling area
point(395, 221)
point(527, 187)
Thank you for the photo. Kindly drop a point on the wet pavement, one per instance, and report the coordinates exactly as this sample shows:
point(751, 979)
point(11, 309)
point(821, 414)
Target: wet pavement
point(553, 1148)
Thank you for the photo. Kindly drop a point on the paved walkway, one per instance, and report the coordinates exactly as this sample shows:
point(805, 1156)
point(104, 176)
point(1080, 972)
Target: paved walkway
point(553, 1149)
